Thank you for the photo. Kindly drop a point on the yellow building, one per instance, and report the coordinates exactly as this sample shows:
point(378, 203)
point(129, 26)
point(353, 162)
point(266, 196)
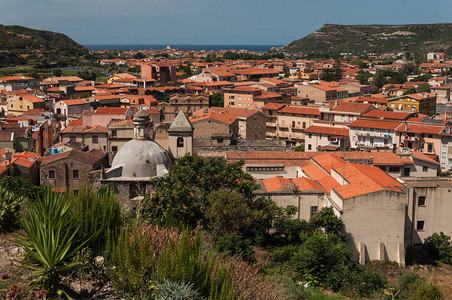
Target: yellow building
point(23, 102)
point(423, 103)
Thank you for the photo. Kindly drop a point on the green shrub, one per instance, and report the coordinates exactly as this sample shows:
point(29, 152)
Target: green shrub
point(183, 262)
point(413, 287)
point(298, 148)
point(364, 281)
point(439, 247)
point(130, 262)
point(96, 215)
point(9, 210)
point(233, 244)
point(323, 260)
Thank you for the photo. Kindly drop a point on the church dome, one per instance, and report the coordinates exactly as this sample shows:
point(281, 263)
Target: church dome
point(140, 159)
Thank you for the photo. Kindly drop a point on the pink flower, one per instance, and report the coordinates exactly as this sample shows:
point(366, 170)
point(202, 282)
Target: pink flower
point(4, 275)
point(10, 294)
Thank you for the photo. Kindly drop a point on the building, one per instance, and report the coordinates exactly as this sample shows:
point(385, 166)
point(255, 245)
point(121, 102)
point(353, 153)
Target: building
point(95, 137)
point(423, 103)
point(71, 107)
point(186, 103)
point(372, 134)
point(291, 122)
point(24, 102)
point(251, 122)
point(251, 97)
point(424, 137)
point(14, 83)
point(159, 71)
point(70, 169)
point(321, 91)
point(136, 162)
point(318, 137)
point(104, 115)
point(180, 136)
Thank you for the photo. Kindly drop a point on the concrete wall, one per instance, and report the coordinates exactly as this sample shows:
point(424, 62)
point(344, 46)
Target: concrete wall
point(375, 225)
point(435, 213)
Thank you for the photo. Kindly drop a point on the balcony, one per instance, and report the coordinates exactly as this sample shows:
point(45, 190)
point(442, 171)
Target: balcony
point(270, 124)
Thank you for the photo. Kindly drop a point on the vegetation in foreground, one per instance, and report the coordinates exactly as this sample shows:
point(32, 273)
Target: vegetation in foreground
point(201, 235)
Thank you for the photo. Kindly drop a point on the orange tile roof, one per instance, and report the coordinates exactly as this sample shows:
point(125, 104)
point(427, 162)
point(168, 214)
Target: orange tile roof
point(273, 106)
point(327, 130)
point(300, 110)
point(75, 122)
point(275, 183)
point(225, 118)
point(375, 124)
point(417, 128)
point(394, 115)
point(306, 184)
point(422, 156)
point(110, 111)
point(353, 107)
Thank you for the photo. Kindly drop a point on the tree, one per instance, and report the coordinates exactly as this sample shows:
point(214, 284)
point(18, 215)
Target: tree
point(234, 213)
point(333, 74)
point(181, 196)
point(323, 261)
point(326, 220)
point(57, 72)
point(216, 99)
point(139, 55)
point(423, 88)
point(439, 247)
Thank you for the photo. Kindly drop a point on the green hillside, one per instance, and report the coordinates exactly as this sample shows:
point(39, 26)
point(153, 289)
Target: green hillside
point(19, 45)
point(360, 39)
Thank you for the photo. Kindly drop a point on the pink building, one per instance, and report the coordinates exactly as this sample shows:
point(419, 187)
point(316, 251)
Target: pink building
point(104, 115)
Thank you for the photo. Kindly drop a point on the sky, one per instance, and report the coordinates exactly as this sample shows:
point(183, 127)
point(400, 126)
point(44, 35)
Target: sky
point(221, 22)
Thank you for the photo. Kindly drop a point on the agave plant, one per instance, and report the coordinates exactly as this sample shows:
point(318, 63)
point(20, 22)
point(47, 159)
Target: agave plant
point(48, 242)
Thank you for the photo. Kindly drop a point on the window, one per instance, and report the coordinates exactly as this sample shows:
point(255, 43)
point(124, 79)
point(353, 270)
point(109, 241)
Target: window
point(114, 148)
point(75, 174)
point(180, 142)
point(420, 225)
point(429, 147)
point(114, 133)
point(94, 139)
point(394, 169)
point(309, 147)
point(424, 169)
point(314, 211)
point(304, 125)
point(421, 201)
point(309, 135)
point(52, 174)
point(293, 123)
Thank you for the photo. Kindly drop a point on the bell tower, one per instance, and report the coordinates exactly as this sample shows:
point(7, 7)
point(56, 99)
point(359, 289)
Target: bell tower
point(180, 136)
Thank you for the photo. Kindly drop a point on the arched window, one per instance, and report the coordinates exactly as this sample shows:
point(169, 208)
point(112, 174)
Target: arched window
point(180, 142)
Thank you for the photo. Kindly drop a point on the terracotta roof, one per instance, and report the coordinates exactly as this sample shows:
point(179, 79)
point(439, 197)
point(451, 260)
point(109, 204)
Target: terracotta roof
point(394, 115)
point(327, 130)
point(301, 110)
point(353, 107)
point(70, 102)
point(110, 111)
point(273, 106)
point(74, 154)
point(423, 157)
point(225, 118)
point(417, 128)
point(276, 183)
point(375, 124)
point(75, 122)
point(305, 184)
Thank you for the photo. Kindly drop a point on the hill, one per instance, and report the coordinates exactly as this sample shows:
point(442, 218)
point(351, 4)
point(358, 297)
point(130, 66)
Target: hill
point(20, 45)
point(358, 39)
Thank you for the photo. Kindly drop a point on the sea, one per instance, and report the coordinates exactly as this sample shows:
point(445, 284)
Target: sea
point(183, 47)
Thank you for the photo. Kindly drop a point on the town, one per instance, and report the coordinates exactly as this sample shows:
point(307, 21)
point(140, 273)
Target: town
point(369, 138)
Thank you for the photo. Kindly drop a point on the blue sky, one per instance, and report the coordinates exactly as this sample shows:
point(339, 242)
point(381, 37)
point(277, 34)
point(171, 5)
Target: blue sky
point(210, 21)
